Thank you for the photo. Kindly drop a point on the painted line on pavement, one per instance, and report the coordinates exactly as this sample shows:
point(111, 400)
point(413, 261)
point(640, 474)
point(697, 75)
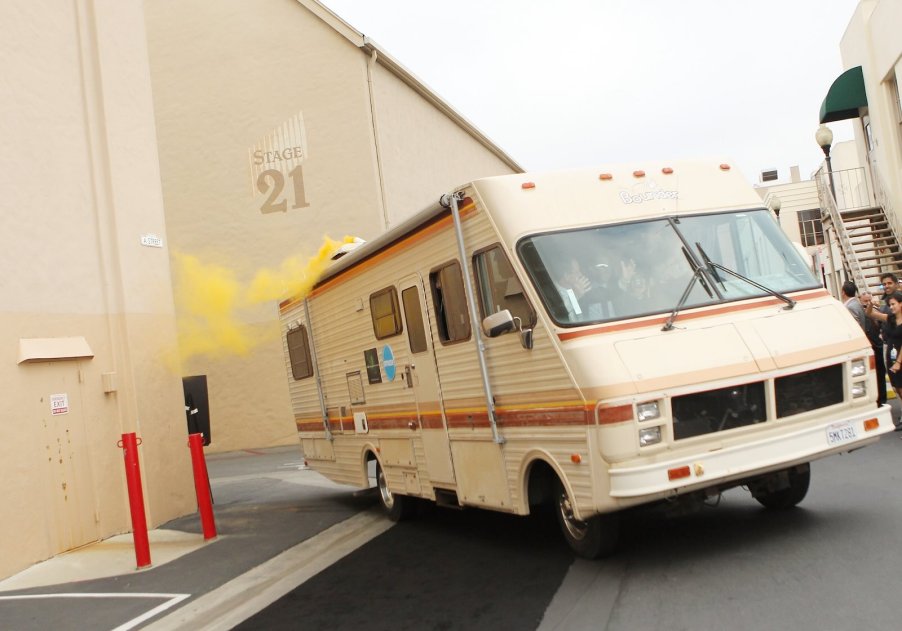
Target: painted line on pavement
point(242, 597)
point(172, 600)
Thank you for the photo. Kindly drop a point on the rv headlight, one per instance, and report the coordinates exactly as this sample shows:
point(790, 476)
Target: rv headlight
point(649, 436)
point(858, 389)
point(648, 411)
point(858, 368)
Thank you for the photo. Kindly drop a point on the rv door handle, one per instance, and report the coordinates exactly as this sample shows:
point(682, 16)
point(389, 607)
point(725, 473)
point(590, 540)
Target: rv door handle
point(412, 424)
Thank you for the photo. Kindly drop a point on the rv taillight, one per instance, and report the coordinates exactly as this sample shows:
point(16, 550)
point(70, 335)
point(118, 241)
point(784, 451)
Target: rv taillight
point(724, 167)
point(527, 185)
point(639, 173)
point(605, 176)
point(666, 170)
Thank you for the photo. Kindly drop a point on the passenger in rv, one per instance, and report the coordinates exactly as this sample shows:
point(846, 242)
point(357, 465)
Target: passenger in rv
point(633, 280)
point(572, 285)
point(605, 298)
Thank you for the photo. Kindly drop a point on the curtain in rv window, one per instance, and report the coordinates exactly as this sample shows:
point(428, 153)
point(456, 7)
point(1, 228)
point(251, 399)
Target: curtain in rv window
point(385, 313)
point(449, 297)
point(413, 314)
point(299, 353)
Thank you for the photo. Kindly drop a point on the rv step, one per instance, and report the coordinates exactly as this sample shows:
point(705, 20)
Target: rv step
point(447, 498)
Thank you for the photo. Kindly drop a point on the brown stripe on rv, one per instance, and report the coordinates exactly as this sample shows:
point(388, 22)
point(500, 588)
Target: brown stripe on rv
point(437, 224)
point(702, 312)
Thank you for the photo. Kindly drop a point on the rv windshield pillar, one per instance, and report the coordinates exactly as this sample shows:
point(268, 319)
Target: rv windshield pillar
point(319, 382)
point(450, 201)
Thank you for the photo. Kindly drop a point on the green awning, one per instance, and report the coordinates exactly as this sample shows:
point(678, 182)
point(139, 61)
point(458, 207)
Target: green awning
point(844, 97)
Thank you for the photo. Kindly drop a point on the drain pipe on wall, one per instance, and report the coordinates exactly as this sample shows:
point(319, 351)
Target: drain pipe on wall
point(370, 65)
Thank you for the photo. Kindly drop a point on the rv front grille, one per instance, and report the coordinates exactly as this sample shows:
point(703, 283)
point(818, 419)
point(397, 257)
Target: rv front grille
point(718, 410)
point(808, 390)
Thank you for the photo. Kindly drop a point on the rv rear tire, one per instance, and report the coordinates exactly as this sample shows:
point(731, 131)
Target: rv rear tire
point(397, 507)
point(593, 538)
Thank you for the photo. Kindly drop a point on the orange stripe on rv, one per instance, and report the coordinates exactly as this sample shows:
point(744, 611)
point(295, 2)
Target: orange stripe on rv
point(688, 315)
point(616, 414)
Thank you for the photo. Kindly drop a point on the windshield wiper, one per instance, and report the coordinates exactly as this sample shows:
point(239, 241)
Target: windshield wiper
point(713, 267)
point(697, 275)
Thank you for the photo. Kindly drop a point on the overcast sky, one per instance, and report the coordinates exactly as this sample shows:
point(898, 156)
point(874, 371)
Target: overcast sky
point(575, 83)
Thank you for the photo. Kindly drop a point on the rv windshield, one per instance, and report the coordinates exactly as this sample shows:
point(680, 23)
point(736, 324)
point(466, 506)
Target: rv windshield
point(621, 271)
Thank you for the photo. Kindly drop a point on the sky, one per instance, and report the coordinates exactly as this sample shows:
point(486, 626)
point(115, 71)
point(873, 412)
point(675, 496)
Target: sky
point(577, 83)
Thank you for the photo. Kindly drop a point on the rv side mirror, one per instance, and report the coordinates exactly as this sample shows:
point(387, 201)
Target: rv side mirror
point(498, 323)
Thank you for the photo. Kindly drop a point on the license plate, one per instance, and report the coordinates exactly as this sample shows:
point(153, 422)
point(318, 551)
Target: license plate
point(839, 433)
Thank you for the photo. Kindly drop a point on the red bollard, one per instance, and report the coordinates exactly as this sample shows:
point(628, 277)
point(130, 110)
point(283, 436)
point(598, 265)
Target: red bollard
point(129, 445)
point(202, 485)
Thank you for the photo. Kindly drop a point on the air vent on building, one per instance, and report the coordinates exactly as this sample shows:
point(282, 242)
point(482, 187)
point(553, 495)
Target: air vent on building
point(768, 175)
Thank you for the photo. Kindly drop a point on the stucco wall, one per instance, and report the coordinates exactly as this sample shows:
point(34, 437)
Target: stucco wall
point(78, 168)
point(424, 153)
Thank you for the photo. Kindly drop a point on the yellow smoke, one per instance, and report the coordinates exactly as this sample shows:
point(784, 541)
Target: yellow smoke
point(211, 300)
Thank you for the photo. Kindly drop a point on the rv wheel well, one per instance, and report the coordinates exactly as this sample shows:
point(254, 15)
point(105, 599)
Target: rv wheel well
point(541, 480)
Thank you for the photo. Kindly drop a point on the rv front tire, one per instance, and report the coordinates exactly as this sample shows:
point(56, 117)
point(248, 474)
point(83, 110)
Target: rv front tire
point(591, 539)
point(397, 507)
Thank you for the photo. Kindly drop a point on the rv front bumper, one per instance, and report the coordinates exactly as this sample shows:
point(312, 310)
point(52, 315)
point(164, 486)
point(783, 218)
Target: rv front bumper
point(778, 450)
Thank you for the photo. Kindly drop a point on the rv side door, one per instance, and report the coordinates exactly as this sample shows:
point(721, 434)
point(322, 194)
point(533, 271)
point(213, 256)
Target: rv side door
point(422, 377)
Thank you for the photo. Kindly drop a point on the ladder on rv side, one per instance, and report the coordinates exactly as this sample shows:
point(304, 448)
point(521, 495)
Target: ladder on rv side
point(864, 226)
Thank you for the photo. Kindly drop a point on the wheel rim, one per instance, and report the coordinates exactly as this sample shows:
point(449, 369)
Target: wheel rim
point(575, 527)
point(387, 499)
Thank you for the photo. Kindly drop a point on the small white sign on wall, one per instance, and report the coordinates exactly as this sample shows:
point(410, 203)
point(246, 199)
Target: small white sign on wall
point(59, 404)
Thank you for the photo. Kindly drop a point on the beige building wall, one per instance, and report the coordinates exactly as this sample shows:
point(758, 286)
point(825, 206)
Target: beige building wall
point(87, 310)
point(872, 41)
point(423, 149)
point(226, 73)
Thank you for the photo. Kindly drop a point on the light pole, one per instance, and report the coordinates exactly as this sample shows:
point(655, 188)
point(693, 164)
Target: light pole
point(824, 138)
point(776, 205)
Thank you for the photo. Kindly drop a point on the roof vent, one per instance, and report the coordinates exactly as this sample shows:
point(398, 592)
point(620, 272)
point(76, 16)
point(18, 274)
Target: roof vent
point(769, 175)
point(346, 248)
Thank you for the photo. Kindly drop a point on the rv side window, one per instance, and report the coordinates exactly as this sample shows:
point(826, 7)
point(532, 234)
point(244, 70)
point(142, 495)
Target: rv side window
point(299, 353)
point(385, 313)
point(413, 313)
point(499, 287)
point(450, 301)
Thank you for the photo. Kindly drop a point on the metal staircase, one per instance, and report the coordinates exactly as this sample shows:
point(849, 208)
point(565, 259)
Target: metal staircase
point(864, 226)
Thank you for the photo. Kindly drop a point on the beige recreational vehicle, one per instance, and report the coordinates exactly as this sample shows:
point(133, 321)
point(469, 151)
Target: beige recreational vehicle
point(594, 339)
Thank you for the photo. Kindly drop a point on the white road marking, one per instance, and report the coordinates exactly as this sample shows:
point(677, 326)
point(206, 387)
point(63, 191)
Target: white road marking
point(242, 597)
point(171, 601)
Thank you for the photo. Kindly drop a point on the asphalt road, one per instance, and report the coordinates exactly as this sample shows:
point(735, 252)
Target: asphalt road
point(832, 563)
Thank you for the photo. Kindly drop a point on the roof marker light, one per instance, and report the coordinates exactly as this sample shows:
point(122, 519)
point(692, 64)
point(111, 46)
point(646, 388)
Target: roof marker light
point(724, 167)
point(666, 170)
point(639, 173)
point(528, 185)
point(605, 176)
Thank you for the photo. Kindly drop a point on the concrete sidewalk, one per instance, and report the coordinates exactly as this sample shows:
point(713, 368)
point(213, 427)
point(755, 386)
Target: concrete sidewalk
point(266, 503)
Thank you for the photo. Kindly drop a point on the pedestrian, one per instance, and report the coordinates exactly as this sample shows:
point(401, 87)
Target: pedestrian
point(872, 331)
point(853, 304)
point(894, 341)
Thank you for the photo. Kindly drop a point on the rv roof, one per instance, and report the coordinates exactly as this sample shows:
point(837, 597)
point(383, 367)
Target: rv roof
point(527, 203)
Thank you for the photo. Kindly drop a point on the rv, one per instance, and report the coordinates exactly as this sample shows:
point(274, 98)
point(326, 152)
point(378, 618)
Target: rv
point(592, 341)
